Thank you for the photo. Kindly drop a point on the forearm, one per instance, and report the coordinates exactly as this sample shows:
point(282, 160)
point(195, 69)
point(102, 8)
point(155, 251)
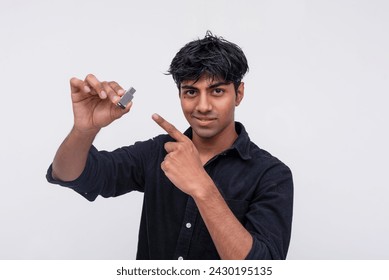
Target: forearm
point(231, 239)
point(70, 159)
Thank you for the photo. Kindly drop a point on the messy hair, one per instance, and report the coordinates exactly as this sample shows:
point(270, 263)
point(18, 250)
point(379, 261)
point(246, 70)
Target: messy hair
point(212, 56)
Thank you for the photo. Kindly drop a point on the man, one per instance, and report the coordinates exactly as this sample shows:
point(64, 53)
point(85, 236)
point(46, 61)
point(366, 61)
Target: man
point(209, 193)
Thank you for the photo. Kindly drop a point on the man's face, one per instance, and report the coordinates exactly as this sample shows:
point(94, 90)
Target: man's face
point(209, 106)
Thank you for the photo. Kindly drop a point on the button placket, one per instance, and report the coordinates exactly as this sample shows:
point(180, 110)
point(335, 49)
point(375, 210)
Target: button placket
point(185, 236)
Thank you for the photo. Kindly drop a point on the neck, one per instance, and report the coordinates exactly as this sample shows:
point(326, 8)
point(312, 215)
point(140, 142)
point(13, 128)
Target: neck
point(210, 147)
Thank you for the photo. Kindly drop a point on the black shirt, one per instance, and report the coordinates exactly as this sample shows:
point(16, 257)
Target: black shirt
point(256, 186)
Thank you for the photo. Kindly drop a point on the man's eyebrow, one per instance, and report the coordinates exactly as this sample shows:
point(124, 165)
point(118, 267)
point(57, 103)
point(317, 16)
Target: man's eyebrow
point(224, 83)
point(188, 87)
point(218, 84)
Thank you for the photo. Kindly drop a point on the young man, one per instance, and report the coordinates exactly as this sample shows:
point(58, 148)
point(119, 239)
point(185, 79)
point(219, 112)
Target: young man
point(209, 193)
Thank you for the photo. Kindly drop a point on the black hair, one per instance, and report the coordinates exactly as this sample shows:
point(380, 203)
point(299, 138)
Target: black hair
point(213, 56)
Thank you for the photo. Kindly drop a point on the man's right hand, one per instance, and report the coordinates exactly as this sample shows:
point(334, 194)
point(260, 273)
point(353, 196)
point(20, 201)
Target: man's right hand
point(94, 106)
point(94, 103)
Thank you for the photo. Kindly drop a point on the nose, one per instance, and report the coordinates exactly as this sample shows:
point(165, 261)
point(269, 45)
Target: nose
point(204, 105)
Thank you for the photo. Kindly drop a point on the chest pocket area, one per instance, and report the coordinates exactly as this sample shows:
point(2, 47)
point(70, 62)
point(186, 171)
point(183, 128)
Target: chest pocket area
point(239, 208)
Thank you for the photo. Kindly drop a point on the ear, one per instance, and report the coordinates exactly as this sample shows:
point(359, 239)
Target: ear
point(239, 94)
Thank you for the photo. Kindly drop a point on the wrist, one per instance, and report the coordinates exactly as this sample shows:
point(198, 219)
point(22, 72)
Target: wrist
point(85, 133)
point(205, 190)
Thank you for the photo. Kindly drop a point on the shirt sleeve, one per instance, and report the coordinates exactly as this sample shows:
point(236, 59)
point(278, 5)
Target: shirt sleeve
point(269, 219)
point(110, 174)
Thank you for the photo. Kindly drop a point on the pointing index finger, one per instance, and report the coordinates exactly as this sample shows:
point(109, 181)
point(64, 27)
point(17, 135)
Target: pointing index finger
point(169, 128)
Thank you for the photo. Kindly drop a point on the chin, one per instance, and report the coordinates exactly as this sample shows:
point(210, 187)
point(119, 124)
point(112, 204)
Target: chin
point(203, 132)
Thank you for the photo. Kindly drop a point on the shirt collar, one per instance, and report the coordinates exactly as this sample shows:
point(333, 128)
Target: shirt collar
point(241, 144)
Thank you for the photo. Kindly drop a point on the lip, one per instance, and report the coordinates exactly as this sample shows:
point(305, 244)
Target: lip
point(204, 120)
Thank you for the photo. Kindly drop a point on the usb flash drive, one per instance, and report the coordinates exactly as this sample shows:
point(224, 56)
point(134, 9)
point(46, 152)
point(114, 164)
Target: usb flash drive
point(126, 98)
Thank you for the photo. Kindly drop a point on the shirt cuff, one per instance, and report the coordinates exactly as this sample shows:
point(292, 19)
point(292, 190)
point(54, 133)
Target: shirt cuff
point(77, 184)
point(261, 250)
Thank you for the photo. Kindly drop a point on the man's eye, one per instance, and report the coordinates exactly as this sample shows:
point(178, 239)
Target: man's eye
point(218, 91)
point(190, 93)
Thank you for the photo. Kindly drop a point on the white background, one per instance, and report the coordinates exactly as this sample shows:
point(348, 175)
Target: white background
point(316, 97)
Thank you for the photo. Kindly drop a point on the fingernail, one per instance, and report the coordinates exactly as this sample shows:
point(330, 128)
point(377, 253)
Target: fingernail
point(86, 89)
point(121, 91)
point(103, 94)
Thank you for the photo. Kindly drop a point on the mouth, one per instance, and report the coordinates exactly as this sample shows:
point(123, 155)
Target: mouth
point(204, 120)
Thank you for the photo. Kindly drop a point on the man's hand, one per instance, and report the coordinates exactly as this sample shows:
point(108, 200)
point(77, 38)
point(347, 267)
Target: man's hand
point(94, 103)
point(182, 164)
point(94, 106)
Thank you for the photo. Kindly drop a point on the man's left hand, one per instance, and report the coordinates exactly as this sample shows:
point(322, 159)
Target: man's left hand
point(182, 164)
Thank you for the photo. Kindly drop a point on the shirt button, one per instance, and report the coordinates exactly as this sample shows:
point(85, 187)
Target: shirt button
point(188, 225)
point(180, 258)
